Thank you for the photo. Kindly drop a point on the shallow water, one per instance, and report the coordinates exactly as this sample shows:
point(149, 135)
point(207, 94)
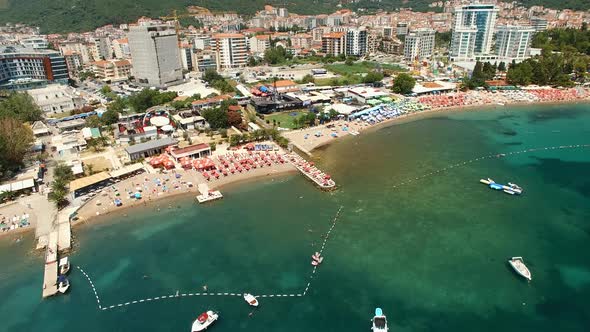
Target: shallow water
point(431, 252)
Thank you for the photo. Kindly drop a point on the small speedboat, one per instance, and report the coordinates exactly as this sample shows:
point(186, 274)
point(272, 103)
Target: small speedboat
point(316, 256)
point(516, 188)
point(251, 299)
point(204, 320)
point(487, 181)
point(517, 264)
point(64, 266)
point(379, 321)
point(63, 284)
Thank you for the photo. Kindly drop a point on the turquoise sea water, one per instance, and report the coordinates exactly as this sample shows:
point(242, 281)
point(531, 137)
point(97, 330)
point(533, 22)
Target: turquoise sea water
point(431, 252)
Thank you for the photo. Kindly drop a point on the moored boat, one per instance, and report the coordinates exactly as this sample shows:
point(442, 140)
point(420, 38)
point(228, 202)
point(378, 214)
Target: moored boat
point(63, 284)
point(251, 299)
point(379, 321)
point(486, 181)
point(517, 264)
point(64, 266)
point(204, 321)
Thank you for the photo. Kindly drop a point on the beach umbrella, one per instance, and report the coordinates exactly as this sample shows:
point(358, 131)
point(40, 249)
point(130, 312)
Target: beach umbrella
point(137, 195)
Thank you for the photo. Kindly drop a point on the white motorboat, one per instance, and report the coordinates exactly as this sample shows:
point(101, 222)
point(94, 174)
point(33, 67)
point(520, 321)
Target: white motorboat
point(379, 321)
point(204, 320)
point(251, 299)
point(517, 264)
point(486, 181)
point(64, 266)
point(63, 284)
point(316, 256)
point(516, 188)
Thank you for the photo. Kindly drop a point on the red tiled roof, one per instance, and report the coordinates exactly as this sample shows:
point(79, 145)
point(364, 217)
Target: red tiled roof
point(215, 99)
point(190, 148)
point(228, 35)
point(334, 35)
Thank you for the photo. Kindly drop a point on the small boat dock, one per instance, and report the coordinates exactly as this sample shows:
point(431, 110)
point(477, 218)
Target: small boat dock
point(50, 274)
point(321, 179)
point(59, 239)
point(207, 195)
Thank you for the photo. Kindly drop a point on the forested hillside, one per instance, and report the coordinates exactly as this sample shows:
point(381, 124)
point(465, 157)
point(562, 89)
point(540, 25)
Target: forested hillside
point(84, 15)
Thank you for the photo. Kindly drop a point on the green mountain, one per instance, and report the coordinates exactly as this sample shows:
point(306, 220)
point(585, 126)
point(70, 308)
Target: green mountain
point(84, 15)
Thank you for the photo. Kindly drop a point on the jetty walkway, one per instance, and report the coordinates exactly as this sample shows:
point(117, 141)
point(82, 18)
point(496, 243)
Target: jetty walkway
point(179, 294)
point(307, 168)
point(58, 239)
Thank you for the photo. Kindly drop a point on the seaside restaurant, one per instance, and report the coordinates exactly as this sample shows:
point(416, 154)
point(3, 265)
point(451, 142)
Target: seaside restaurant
point(94, 182)
point(149, 148)
point(192, 151)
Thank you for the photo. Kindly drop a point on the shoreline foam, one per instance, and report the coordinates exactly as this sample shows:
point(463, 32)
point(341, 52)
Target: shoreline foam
point(406, 118)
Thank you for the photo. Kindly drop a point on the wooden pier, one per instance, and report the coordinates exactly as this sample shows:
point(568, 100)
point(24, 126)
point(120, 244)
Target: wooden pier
point(50, 274)
point(207, 195)
point(322, 180)
point(59, 239)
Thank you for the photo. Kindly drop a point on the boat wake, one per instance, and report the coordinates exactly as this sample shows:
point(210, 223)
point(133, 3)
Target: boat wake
point(178, 294)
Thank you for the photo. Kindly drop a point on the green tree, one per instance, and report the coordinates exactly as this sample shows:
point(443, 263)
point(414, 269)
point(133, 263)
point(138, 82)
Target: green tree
point(15, 141)
point(106, 89)
point(308, 79)
point(216, 117)
point(59, 193)
point(93, 121)
point(20, 106)
point(63, 172)
point(275, 55)
point(502, 66)
point(109, 117)
point(403, 84)
point(372, 77)
point(488, 71)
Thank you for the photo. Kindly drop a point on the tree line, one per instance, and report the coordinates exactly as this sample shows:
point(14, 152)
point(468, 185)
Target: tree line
point(16, 136)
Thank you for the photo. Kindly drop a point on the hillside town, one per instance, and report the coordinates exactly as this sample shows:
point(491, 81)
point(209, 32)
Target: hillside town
point(160, 97)
point(198, 155)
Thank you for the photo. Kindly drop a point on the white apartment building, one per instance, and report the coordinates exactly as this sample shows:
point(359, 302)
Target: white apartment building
point(112, 70)
point(201, 41)
point(419, 44)
point(101, 49)
point(356, 41)
point(231, 50)
point(473, 32)
point(121, 48)
point(155, 54)
point(55, 98)
point(513, 42)
point(76, 47)
point(259, 43)
point(35, 42)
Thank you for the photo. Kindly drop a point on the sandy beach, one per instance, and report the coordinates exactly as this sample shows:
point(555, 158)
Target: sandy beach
point(169, 186)
point(306, 140)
